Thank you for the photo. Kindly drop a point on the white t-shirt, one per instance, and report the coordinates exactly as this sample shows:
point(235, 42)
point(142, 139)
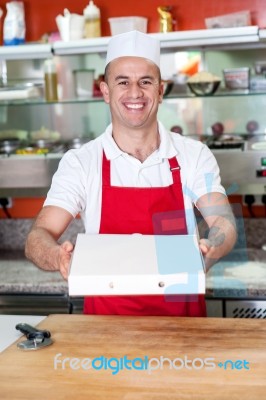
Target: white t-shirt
point(77, 184)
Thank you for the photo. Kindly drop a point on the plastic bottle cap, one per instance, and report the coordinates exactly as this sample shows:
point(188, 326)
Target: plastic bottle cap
point(91, 11)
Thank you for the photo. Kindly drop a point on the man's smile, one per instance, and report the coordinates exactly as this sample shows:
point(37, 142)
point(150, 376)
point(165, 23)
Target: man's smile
point(134, 106)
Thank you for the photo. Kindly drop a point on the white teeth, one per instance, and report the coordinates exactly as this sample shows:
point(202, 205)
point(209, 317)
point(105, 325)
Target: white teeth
point(135, 106)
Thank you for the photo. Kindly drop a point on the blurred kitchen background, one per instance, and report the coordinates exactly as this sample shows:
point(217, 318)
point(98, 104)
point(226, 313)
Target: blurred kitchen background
point(36, 130)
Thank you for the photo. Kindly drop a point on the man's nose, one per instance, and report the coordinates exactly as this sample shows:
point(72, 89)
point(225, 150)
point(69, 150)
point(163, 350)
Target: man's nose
point(135, 90)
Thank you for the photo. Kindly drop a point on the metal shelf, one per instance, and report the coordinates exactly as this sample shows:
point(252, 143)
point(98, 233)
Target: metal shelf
point(42, 102)
point(172, 40)
point(203, 38)
point(220, 94)
point(26, 51)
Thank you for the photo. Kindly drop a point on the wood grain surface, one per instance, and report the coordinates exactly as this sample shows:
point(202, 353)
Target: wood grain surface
point(242, 343)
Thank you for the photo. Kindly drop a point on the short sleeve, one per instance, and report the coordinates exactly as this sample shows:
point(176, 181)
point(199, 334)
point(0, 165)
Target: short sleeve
point(68, 185)
point(207, 175)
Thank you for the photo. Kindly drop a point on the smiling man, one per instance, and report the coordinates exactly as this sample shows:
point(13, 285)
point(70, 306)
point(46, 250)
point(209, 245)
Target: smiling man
point(132, 176)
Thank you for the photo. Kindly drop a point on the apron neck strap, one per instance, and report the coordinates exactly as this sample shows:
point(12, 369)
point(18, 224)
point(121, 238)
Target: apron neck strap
point(175, 169)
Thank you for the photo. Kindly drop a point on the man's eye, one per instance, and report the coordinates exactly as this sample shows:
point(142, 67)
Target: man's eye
point(122, 83)
point(145, 82)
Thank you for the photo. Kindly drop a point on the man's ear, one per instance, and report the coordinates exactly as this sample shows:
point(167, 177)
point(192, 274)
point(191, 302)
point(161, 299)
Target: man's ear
point(105, 91)
point(161, 90)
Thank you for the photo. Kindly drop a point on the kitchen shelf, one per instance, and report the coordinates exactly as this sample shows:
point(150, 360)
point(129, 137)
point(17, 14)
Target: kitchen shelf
point(221, 93)
point(250, 36)
point(42, 102)
point(188, 95)
point(171, 40)
point(26, 51)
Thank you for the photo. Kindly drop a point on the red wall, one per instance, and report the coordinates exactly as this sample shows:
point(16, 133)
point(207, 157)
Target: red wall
point(190, 14)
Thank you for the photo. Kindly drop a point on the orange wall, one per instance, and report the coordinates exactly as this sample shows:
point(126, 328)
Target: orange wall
point(24, 208)
point(190, 14)
point(29, 208)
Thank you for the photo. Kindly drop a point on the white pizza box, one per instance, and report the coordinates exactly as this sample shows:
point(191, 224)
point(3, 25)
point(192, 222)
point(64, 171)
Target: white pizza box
point(111, 264)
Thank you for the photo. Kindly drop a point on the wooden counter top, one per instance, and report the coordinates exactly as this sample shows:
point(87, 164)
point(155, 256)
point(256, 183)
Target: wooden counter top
point(32, 375)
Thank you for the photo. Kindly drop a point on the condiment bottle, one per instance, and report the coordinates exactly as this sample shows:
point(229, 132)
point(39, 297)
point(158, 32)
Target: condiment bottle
point(50, 77)
point(92, 21)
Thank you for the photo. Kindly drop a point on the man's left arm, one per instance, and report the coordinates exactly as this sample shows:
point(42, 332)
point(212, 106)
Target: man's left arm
point(222, 236)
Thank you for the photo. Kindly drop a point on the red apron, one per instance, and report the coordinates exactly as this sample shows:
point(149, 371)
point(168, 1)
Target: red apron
point(155, 210)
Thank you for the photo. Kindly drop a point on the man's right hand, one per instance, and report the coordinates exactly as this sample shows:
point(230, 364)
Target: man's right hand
point(65, 252)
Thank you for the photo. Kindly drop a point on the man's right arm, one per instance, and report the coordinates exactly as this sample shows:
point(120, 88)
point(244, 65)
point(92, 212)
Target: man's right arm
point(41, 245)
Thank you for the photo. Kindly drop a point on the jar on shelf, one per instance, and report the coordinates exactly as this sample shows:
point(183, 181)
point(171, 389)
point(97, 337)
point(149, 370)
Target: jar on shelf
point(50, 78)
point(92, 21)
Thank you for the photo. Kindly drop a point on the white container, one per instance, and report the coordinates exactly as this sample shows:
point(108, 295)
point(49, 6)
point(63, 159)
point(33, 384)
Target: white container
point(126, 24)
point(92, 17)
point(14, 29)
point(70, 26)
point(241, 18)
point(236, 78)
point(84, 82)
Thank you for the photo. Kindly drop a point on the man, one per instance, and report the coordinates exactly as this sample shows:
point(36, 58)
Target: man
point(133, 175)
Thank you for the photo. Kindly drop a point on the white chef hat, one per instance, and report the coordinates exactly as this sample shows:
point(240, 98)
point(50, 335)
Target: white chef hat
point(134, 44)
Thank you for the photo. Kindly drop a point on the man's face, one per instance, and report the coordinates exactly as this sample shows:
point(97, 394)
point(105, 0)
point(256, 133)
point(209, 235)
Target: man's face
point(133, 91)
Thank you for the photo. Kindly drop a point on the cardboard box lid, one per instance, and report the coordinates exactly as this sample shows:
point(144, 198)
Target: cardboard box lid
point(107, 264)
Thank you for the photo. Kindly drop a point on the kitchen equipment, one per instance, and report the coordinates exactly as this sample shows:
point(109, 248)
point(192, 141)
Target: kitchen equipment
point(236, 78)
point(203, 88)
point(46, 134)
point(36, 339)
point(226, 142)
point(43, 143)
point(125, 24)
point(136, 264)
point(76, 143)
point(7, 146)
point(203, 83)
point(168, 86)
